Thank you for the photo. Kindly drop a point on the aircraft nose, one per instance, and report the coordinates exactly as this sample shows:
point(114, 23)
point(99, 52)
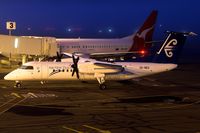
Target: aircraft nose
point(9, 76)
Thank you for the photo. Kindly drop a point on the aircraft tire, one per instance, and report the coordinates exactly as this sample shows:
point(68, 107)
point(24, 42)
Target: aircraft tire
point(102, 86)
point(18, 85)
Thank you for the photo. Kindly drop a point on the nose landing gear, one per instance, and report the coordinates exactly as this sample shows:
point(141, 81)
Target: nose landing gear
point(17, 85)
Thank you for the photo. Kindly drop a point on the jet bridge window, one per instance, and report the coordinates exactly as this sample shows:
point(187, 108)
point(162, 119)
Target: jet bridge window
point(27, 67)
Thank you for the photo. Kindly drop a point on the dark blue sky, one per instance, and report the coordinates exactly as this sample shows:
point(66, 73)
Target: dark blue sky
point(86, 18)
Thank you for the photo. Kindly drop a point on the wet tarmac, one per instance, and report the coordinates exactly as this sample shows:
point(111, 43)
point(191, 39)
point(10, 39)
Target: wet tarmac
point(168, 102)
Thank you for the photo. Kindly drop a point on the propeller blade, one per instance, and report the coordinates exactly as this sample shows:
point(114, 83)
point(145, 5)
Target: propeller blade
point(59, 57)
point(77, 60)
point(73, 59)
point(77, 74)
point(73, 73)
point(75, 66)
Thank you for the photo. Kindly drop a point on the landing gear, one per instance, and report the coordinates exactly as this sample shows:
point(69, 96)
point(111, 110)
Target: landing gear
point(101, 80)
point(18, 85)
point(102, 86)
point(42, 82)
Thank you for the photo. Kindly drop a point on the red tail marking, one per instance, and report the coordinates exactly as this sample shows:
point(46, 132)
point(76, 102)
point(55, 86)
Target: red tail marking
point(144, 34)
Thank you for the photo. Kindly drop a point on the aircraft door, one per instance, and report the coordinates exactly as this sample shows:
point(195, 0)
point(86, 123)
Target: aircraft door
point(44, 72)
point(37, 72)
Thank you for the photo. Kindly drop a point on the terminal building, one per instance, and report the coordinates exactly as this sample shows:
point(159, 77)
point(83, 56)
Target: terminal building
point(26, 48)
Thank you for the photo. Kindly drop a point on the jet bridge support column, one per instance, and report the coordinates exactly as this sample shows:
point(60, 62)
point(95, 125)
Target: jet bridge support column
point(24, 59)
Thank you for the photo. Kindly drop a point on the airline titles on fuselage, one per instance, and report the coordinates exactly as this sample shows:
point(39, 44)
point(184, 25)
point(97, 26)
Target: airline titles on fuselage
point(58, 69)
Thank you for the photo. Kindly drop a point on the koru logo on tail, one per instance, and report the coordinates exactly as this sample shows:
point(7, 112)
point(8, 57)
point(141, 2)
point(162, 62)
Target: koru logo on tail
point(168, 48)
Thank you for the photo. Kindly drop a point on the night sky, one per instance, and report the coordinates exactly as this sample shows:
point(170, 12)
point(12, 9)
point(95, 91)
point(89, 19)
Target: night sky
point(101, 18)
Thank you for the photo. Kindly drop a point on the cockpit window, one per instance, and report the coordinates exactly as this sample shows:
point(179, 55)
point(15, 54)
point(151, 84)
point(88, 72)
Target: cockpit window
point(26, 67)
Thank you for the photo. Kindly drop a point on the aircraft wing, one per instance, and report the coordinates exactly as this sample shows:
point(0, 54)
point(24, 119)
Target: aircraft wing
point(138, 53)
point(101, 67)
point(102, 64)
point(115, 54)
point(83, 57)
point(69, 55)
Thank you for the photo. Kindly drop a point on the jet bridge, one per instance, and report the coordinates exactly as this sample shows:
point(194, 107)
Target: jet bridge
point(21, 48)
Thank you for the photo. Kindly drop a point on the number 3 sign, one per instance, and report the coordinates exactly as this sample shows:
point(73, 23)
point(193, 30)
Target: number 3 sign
point(11, 25)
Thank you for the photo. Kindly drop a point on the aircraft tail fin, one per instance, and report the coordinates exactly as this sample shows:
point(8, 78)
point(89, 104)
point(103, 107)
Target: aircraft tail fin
point(170, 50)
point(145, 34)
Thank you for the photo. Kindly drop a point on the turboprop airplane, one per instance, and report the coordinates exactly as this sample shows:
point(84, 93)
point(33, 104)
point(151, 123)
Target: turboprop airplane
point(165, 59)
point(105, 48)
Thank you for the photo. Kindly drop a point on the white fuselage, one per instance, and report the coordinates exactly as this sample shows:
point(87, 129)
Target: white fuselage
point(43, 71)
point(89, 46)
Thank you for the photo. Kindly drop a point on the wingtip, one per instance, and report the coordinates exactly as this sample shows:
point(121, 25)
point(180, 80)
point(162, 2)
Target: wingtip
point(185, 33)
point(193, 34)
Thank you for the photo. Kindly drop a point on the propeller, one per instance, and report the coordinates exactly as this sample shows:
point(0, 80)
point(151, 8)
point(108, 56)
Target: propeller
point(59, 57)
point(75, 66)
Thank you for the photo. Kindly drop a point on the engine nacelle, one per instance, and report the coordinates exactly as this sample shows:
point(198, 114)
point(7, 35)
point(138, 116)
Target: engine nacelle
point(92, 68)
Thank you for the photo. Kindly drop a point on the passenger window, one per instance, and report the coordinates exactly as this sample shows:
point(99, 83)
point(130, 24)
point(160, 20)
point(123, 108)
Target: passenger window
point(27, 67)
point(30, 67)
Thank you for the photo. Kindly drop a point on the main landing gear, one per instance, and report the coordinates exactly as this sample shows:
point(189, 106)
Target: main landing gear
point(101, 81)
point(102, 86)
point(42, 82)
